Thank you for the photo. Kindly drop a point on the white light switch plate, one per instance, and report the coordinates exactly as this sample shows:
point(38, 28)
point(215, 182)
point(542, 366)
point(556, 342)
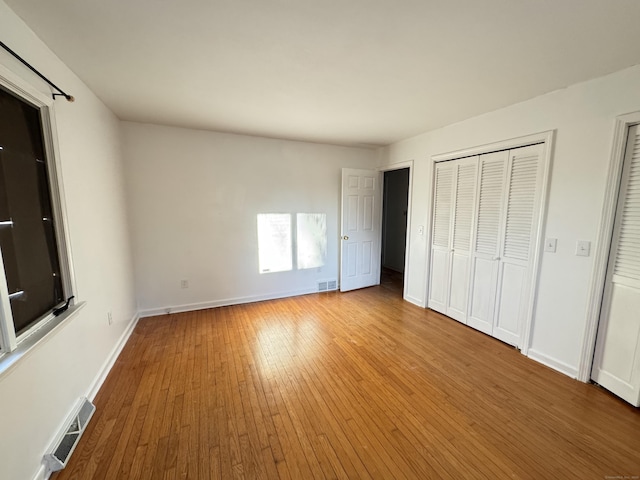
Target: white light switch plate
point(583, 248)
point(420, 230)
point(550, 245)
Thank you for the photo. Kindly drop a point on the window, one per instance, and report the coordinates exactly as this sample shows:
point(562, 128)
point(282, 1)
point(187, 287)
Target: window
point(34, 279)
point(276, 242)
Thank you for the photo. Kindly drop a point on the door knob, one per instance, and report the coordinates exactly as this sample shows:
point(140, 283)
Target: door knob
point(345, 237)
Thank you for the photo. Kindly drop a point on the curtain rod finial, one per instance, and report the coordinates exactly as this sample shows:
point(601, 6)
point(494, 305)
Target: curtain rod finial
point(71, 98)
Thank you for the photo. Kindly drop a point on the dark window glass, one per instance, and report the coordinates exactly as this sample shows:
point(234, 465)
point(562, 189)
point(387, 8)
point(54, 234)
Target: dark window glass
point(27, 235)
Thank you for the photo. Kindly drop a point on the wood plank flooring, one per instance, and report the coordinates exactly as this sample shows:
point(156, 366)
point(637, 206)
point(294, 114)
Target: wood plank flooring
point(351, 386)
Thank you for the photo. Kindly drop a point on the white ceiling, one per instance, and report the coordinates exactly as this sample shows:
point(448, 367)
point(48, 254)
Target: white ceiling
point(356, 72)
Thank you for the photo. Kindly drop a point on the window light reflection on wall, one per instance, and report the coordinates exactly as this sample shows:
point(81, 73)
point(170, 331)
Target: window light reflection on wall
point(277, 242)
point(311, 238)
point(274, 242)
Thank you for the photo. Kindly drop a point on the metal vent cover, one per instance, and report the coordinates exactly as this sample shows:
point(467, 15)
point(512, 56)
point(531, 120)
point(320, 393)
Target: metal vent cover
point(327, 285)
point(67, 440)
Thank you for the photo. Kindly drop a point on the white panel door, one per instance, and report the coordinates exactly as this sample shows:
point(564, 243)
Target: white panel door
point(441, 236)
point(616, 364)
point(361, 227)
point(485, 254)
point(518, 242)
point(465, 179)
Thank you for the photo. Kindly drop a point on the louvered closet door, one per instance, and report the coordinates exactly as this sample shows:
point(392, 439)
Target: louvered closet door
point(465, 179)
point(492, 170)
point(616, 364)
point(522, 201)
point(441, 236)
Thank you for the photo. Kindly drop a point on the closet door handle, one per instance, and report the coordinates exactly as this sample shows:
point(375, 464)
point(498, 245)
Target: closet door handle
point(496, 258)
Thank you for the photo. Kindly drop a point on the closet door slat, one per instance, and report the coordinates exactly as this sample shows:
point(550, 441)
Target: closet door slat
point(490, 206)
point(442, 207)
point(520, 206)
point(465, 192)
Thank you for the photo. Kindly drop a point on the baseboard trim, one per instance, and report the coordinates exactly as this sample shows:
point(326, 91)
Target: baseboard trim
point(415, 301)
point(190, 307)
point(553, 363)
point(41, 474)
point(111, 360)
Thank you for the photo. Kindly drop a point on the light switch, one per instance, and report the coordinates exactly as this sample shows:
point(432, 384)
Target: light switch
point(550, 245)
point(420, 229)
point(583, 248)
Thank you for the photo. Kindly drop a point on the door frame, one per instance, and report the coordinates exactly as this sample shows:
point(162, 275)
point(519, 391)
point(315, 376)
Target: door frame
point(387, 168)
point(548, 139)
point(603, 243)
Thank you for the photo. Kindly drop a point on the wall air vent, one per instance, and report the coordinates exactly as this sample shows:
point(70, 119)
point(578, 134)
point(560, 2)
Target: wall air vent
point(327, 285)
point(67, 440)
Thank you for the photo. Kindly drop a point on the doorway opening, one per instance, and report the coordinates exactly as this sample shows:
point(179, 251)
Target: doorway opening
point(395, 205)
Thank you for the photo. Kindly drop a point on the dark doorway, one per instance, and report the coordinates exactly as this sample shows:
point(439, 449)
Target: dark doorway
point(395, 202)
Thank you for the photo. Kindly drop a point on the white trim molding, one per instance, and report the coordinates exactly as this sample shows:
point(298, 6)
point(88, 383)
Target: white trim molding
point(533, 139)
point(603, 243)
point(388, 168)
point(44, 104)
point(553, 363)
point(41, 474)
point(226, 302)
point(38, 336)
point(416, 301)
point(111, 359)
point(548, 139)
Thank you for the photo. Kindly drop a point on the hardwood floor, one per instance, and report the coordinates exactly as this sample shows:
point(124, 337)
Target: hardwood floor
point(392, 280)
point(354, 385)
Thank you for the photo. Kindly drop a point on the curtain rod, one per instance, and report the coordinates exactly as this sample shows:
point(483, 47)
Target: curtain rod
point(24, 62)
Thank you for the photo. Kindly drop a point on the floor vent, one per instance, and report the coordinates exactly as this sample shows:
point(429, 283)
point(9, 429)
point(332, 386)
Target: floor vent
point(66, 442)
point(327, 285)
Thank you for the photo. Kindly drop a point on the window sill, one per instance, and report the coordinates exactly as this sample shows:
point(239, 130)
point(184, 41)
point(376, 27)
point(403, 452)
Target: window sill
point(37, 337)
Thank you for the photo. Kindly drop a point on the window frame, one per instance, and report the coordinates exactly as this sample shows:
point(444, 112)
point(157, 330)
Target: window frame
point(9, 341)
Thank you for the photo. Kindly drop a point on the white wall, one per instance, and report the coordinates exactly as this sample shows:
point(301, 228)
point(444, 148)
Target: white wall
point(38, 393)
point(194, 197)
point(583, 116)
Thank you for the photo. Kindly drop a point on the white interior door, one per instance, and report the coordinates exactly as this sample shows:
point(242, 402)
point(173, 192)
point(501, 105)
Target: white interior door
point(441, 236)
point(361, 229)
point(485, 256)
point(616, 363)
point(466, 173)
point(518, 242)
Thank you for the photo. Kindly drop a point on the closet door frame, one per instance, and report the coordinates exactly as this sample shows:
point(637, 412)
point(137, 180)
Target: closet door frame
point(547, 138)
point(603, 243)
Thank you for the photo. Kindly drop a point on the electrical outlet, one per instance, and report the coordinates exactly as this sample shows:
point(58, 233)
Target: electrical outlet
point(583, 248)
point(184, 283)
point(550, 245)
point(109, 317)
